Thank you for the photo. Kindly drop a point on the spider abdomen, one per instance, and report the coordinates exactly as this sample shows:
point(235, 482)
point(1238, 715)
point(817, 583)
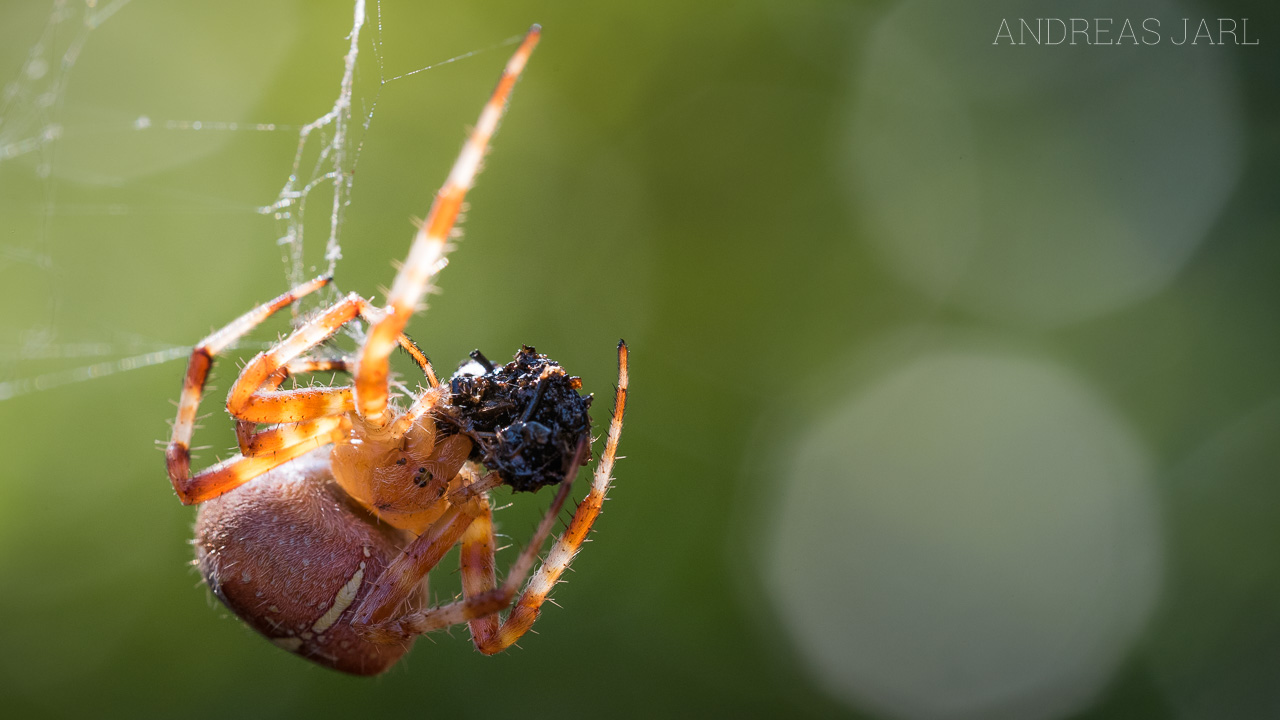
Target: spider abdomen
point(292, 557)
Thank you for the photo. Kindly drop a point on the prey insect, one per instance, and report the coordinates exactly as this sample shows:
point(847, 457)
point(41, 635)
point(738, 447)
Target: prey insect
point(321, 532)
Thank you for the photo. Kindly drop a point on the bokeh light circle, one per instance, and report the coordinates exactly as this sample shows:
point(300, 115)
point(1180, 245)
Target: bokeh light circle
point(1035, 184)
point(971, 536)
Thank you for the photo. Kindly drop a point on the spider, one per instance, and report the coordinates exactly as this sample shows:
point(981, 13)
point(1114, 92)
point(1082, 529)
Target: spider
point(354, 500)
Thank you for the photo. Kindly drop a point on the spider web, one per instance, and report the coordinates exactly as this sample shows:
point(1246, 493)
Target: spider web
point(30, 126)
point(33, 132)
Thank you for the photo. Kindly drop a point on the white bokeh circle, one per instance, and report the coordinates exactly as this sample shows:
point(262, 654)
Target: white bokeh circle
point(1034, 184)
point(971, 536)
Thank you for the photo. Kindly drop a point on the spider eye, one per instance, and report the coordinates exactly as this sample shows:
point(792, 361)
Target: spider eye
point(525, 419)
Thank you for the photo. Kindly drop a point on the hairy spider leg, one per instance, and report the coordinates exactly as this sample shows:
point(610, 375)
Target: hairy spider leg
point(178, 452)
point(376, 617)
point(400, 579)
point(479, 580)
point(477, 558)
point(237, 470)
point(420, 358)
point(303, 419)
point(426, 255)
point(253, 442)
point(249, 401)
point(482, 600)
point(254, 396)
point(303, 365)
point(528, 607)
point(373, 315)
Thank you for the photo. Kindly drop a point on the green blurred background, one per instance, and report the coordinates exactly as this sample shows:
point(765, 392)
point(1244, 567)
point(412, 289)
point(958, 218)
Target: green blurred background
point(955, 391)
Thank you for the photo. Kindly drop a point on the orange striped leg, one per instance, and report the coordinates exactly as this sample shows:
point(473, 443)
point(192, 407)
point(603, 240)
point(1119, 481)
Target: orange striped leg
point(178, 453)
point(278, 437)
point(249, 401)
point(253, 397)
point(305, 365)
point(317, 411)
point(420, 358)
point(373, 316)
point(400, 579)
point(236, 471)
point(426, 256)
point(479, 572)
point(344, 365)
point(478, 579)
point(570, 542)
point(253, 442)
point(481, 599)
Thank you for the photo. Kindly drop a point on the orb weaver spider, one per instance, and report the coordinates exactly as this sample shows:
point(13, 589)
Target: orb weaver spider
point(354, 500)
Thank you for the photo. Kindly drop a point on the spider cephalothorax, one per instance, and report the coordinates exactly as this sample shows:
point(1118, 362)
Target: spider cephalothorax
point(525, 419)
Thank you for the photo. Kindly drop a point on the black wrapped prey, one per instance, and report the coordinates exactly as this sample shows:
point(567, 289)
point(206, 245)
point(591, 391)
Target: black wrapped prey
point(525, 419)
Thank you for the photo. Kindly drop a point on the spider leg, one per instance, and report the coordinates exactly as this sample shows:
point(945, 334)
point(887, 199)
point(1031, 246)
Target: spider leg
point(302, 419)
point(570, 542)
point(249, 401)
point(238, 470)
point(420, 358)
point(481, 599)
point(278, 437)
point(303, 365)
point(478, 577)
point(479, 572)
point(253, 396)
point(347, 365)
point(426, 256)
point(375, 616)
point(372, 315)
point(253, 442)
point(307, 365)
point(316, 410)
point(178, 453)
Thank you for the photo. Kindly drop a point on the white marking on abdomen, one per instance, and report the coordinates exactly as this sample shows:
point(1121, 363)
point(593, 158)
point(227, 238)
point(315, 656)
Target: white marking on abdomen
point(341, 601)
